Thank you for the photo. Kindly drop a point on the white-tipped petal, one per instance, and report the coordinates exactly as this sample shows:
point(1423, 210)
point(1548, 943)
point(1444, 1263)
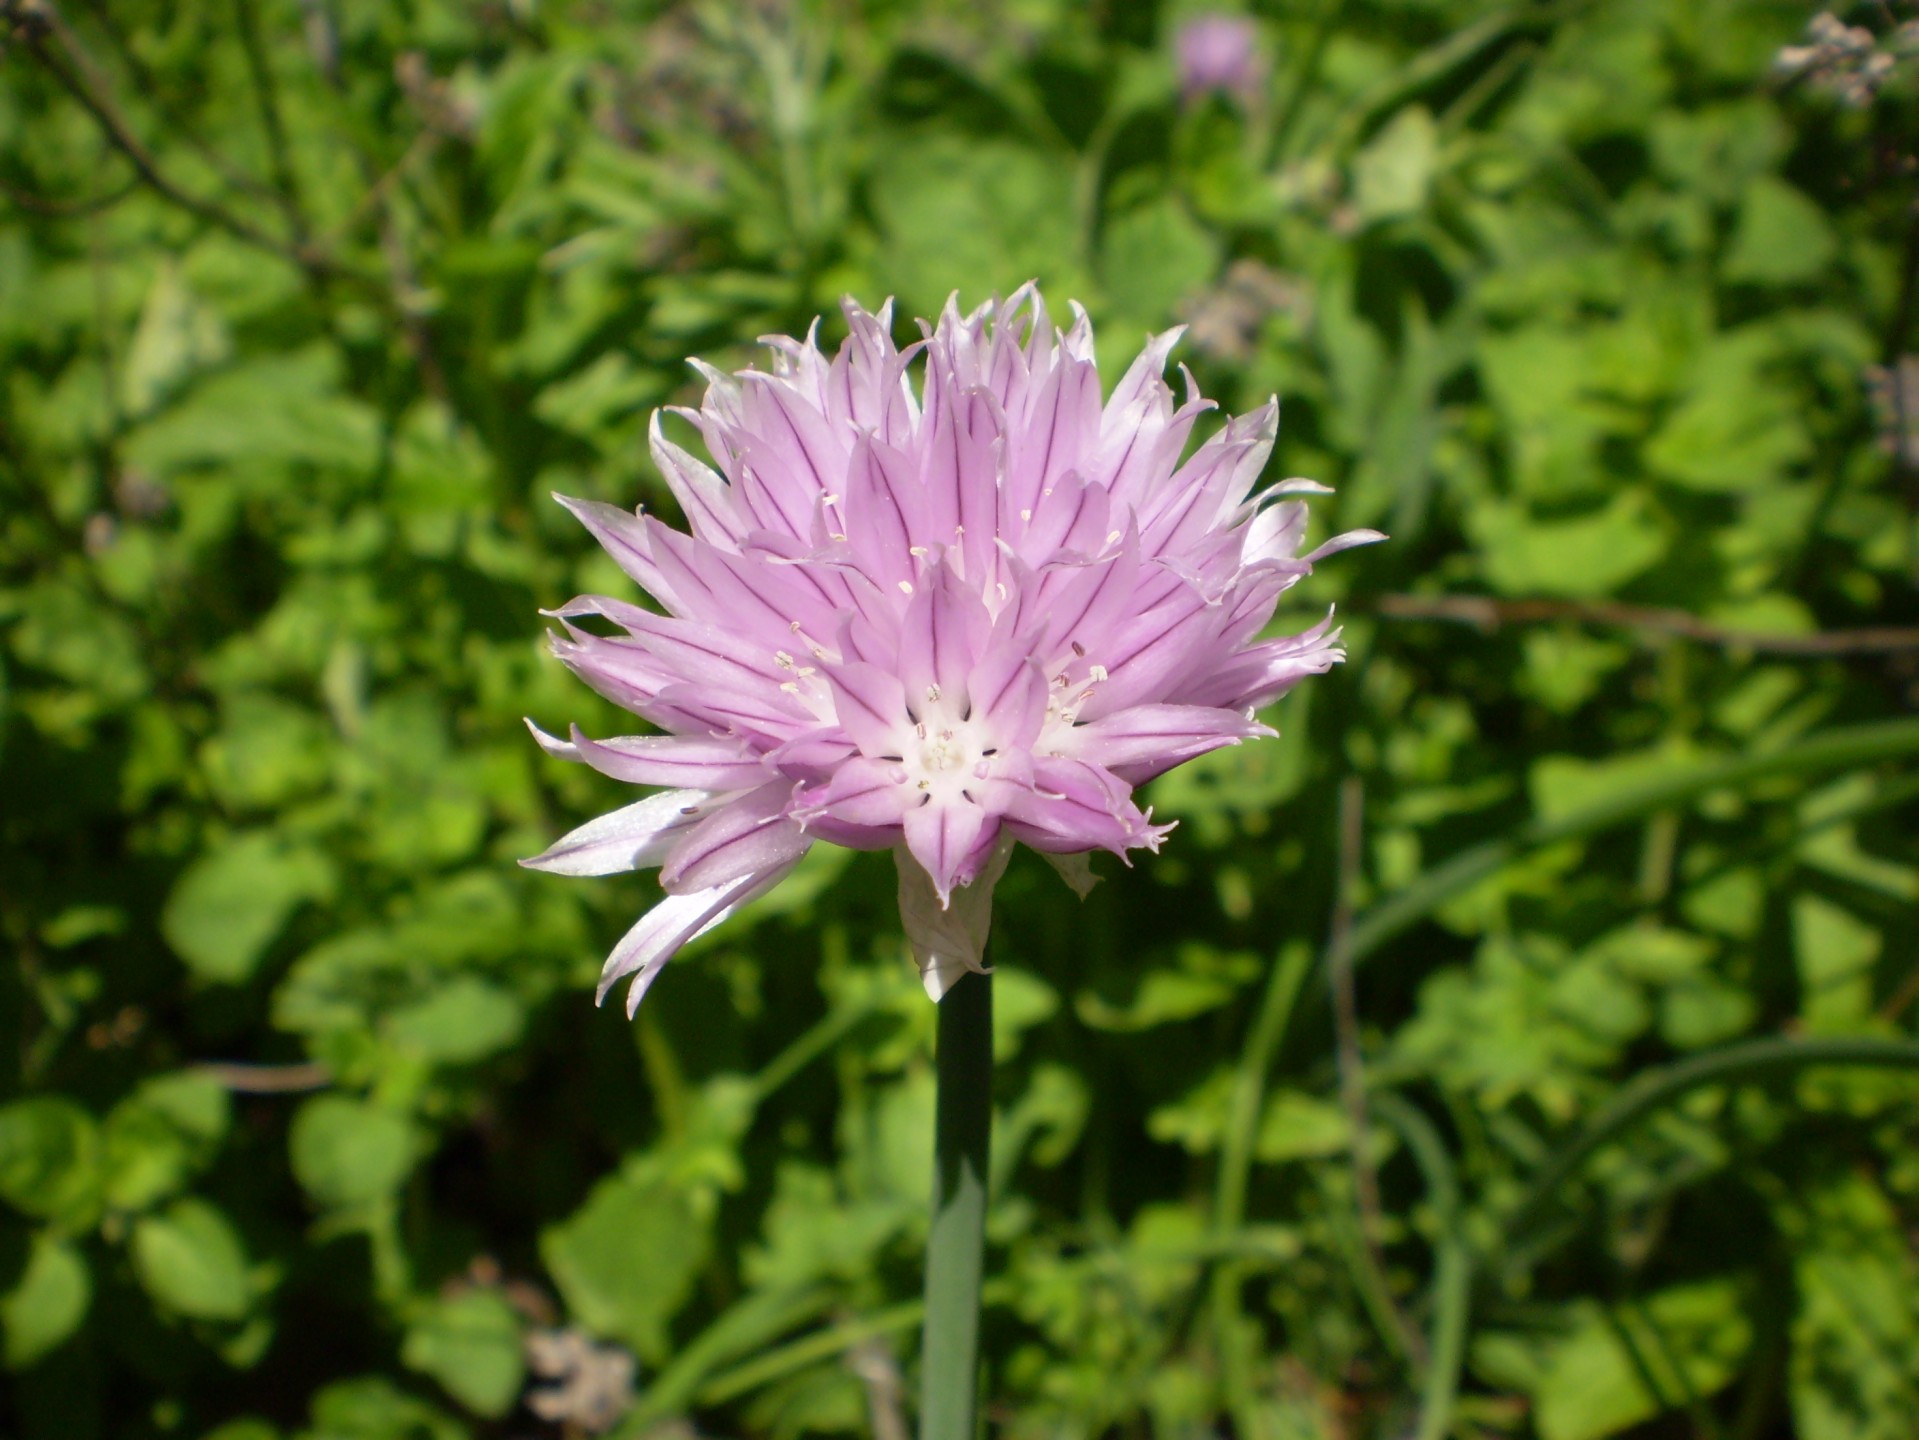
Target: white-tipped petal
point(950, 940)
point(634, 837)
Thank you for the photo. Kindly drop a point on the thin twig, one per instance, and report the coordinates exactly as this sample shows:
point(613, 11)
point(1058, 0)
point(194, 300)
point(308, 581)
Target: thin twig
point(1352, 1069)
point(267, 1079)
point(154, 94)
point(871, 1360)
point(1489, 614)
point(67, 209)
point(77, 74)
point(279, 154)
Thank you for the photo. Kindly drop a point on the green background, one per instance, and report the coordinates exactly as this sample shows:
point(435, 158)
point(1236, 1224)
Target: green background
point(307, 1122)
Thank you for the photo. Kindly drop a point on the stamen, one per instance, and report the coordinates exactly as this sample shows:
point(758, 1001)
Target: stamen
point(1098, 673)
point(1079, 649)
point(906, 587)
point(932, 694)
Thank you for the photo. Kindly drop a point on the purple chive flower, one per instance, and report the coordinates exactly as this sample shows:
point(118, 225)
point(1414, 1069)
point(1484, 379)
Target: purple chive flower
point(935, 622)
point(1218, 53)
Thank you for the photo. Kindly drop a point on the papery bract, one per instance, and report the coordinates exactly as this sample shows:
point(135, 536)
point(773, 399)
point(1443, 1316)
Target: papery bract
point(938, 619)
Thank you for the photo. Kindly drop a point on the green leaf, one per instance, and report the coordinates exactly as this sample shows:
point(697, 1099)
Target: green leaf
point(1151, 259)
point(470, 1343)
point(1581, 558)
point(158, 1137)
point(460, 1021)
point(190, 1260)
point(625, 1262)
point(268, 751)
point(1856, 1326)
point(46, 1304)
point(350, 1152)
point(1836, 951)
point(245, 1428)
point(49, 1160)
point(1298, 1126)
point(1638, 1360)
point(281, 408)
point(1782, 237)
point(1394, 173)
point(231, 903)
point(1739, 428)
point(374, 1408)
point(972, 215)
point(177, 336)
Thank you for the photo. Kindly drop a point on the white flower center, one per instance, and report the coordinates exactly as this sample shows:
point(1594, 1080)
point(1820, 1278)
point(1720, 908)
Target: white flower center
point(945, 756)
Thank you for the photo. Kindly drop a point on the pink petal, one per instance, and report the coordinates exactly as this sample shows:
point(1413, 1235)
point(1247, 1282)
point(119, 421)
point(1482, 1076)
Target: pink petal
point(863, 792)
point(1076, 806)
point(747, 836)
point(644, 950)
point(709, 506)
point(943, 631)
point(946, 840)
point(685, 760)
point(1148, 740)
point(870, 704)
point(948, 936)
point(626, 537)
point(634, 837)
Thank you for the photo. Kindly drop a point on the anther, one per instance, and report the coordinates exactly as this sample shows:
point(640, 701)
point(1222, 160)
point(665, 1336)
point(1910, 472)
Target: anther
point(1078, 649)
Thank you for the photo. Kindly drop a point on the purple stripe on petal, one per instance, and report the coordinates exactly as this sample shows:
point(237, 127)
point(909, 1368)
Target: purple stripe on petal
point(871, 706)
point(660, 934)
point(747, 836)
point(861, 792)
point(943, 838)
point(945, 628)
point(948, 933)
point(625, 536)
point(683, 760)
point(1157, 737)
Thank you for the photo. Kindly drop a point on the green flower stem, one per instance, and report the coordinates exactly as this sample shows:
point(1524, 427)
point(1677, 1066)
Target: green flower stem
point(955, 1249)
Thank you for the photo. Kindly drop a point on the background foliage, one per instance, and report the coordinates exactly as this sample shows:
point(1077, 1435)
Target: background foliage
point(307, 1127)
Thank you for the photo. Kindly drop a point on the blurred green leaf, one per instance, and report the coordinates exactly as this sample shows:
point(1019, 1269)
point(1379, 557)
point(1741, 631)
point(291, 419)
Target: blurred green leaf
point(1782, 236)
point(1151, 259)
point(1634, 1361)
point(50, 1160)
point(470, 1344)
point(374, 1408)
point(158, 1137)
point(177, 336)
point(231, 903)
point(191, 1260)
point(46, 1303)
point(977, 215)
point(625, 1262)
point(1392, 175)
point(460, 1021)
point(1591, 555)
point(348, 1152)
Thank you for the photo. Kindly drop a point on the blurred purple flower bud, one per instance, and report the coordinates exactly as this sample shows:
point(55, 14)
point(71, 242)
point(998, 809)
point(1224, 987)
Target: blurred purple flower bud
point(1220, 53)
